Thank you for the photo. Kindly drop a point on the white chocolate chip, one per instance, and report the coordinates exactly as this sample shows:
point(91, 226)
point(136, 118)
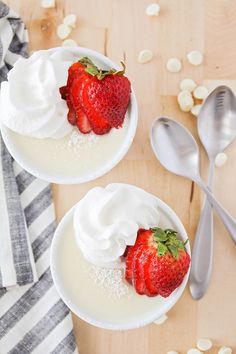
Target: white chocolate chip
point(204, 344)
point(183, 94)
point(172, 352)
point(195, 57)
point(63, 31)
point(194, 351)
point(196, 109)
point(225, 350)
point(48, 4)
point(173, 65)
point(161, 319)
point(200, 92)
point(188, 85)
point(69, 43)
point(186, 103)
point(221, 159)
point(70, 20)
point(153, 9)
point(145, 56)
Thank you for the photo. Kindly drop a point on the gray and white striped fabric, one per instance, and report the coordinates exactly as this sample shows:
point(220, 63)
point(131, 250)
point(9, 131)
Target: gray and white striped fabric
point(33, 319)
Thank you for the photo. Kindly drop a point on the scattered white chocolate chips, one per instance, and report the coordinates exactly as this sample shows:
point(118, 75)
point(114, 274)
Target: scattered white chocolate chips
point(204, 344)
point(200, 92)
point(48, 4)
point(195, 57)
point(225, 350)
point(161, 319)
point(186, 97)
point(183, 94)
point(69, 43)
point(70, 20)
point(221, 159)
point(196, 109)
point(145, 56)
point(186, 103)
point(194, 351)
point(63, 31)
point(173, 65)
point(153, 9)
point(187, 85)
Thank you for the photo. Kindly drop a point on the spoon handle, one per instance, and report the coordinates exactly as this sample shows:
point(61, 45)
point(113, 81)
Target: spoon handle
point(227, 219)
point(202, 255)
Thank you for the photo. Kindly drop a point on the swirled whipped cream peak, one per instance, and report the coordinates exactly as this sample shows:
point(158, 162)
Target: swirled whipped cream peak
point(30, 101)
point(107, 219)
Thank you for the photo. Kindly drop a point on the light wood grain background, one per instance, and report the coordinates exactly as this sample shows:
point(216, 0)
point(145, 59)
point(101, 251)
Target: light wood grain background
point(120, 29)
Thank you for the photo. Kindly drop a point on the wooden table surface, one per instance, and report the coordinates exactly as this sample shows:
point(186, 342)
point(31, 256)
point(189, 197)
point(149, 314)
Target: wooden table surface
point(120, 29)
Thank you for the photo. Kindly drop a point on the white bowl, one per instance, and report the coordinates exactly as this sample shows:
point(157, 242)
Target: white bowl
point(80, 295)
point(43, 161)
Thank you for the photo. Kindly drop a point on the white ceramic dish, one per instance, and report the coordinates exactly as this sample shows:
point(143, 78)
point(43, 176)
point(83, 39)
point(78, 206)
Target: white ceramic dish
point(87, 300)
point(49, 159)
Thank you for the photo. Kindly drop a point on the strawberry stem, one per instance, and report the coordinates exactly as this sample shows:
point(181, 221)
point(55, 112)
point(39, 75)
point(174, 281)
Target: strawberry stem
point(93, 70)
point(167, 241)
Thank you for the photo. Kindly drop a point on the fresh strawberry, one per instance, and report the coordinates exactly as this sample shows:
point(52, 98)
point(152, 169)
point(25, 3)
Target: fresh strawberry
point(138, 274)
point(103, 96)
point(152, 289)
point(157, 263)
point(129, 264)
point(74, 70)
point(82, 122)
point(71, 116)
point(107, 99)
point(63, 92)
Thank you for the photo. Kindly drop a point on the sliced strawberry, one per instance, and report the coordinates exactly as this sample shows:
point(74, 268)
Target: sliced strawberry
point(99, 125)
point(77, 86)
point(102, 95)
point(71, 116)
point(148, 278)
point(83, 122)
point(107, 99)
point(157, 263)
point(144, 237)
point(73, 71)
point(138, 279)
point(63, 92)
point(129, 265)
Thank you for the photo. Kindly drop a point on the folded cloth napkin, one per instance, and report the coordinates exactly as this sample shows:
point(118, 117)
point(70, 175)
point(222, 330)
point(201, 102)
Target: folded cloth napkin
point(33, 319)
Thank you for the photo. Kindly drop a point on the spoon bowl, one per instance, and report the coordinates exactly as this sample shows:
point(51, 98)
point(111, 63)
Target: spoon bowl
point(217, 121)
point(175, 148)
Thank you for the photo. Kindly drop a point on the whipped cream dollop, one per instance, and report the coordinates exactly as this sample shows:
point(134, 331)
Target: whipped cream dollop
point(107, 219)
point(30, 101)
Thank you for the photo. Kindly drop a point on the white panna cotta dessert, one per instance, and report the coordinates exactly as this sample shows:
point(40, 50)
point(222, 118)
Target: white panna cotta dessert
point(35, 127)
point(86, 258)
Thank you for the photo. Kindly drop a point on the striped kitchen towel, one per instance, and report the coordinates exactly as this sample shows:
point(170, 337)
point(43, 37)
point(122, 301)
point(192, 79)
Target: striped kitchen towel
point(33, 319)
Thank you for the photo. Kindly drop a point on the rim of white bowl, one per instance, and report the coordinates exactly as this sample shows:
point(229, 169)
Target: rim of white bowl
point(103, 324)
point(101, 171)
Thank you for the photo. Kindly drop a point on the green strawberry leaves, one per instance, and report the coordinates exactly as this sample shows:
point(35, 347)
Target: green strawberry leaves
point(161, 249)
point(159, 234)
point(167, 241)
point(93, 70)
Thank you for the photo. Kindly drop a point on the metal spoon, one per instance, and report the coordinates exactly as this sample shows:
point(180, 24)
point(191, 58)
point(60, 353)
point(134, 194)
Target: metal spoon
point(216, 129)
point(177, 151)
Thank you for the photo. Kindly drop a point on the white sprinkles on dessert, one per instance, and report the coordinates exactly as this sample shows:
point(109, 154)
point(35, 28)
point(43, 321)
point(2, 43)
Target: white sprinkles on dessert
point(77, 142)
point(109, 280)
